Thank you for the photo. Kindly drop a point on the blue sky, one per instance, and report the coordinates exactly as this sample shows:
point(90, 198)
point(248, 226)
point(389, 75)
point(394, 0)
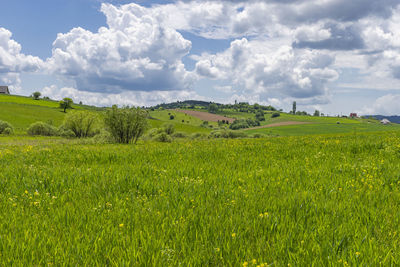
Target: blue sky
point(336, 56)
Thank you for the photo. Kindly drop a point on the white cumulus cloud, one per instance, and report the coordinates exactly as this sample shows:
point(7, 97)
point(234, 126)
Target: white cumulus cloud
point(262, 68)
point(13, 62)
point(136, 52)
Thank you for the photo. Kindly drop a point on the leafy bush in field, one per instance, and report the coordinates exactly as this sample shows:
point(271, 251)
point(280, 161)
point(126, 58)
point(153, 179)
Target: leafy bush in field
point(198, 136)
point(64, 132)
point(179, 135)
point(103, 137)
point(82, 124)
point(42, 128)
point(258, 135)
point(8, 131)
point(163, 137)
point(226, 134)
point(168, 128)
point(171, 117)
point(4, 125)
point(242, 124)
point(260, 115)
point(275, 115)
point(126, 124)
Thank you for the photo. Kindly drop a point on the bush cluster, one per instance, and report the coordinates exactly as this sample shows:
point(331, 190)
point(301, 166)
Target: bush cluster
point(126, 124)
point(243, 124)
point(42, 128)
point(6, 128)
point(226, 134)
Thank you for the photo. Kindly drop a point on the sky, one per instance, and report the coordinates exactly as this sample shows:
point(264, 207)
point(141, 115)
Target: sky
point(337, 56)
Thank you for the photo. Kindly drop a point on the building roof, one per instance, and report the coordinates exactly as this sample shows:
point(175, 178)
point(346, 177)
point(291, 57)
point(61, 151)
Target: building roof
point(4, 90)
point(385, 121)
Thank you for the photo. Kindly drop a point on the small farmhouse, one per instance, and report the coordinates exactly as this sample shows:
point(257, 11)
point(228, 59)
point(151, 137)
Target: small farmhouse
point(385, 121)
point(4, 90)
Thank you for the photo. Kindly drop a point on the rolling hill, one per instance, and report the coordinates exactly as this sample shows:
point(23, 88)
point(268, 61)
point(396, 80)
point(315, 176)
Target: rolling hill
point(23, 111)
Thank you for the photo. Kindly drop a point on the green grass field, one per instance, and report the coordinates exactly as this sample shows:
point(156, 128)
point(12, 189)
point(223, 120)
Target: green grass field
point(321, 194)
point(287, 201)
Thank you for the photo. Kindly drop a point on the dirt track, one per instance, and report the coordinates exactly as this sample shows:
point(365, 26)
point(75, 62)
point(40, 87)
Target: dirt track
point(284, 123)
point(205, 116)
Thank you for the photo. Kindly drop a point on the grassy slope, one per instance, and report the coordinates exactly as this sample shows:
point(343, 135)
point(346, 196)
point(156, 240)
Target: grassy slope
point(190, 125)
point(22, 111)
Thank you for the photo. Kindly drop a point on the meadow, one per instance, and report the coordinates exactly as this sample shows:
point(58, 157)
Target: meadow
point(321, 200)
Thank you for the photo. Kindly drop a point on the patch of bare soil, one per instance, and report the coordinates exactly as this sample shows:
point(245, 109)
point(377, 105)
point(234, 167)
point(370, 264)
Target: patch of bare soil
point(205, 116)
point(284, 123)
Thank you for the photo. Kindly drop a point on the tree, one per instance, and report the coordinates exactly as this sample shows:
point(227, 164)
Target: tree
point(294, 107)
point(316, 113)
point(66, 103)
point(36, 95)
point(213, 108)
point(126, 124)
point(260, 115)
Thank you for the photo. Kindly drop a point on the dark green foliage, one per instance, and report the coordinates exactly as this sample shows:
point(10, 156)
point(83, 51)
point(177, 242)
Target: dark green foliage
point(275, 115)
point(171, 117)
point(260, 115)
point(213, 108)
point(8, 131)
point(302, 113)
point(168, 128)
point(82, 124)
point(316, 113)
point(204, 124)
point(5, 125)
point(226, 134)
point(163, 137)
point(126, 124)
point(179, 135)
point(42, 128)
point(66, 103)
point(294, 107)
point(36, 95)
point(243, 124)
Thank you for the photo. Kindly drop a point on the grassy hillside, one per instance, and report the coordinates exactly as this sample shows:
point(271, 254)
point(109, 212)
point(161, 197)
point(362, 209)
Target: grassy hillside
point(23, 111)
point(292, 201)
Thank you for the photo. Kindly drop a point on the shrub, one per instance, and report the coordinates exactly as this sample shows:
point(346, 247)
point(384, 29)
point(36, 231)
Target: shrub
point(258, 135)
point(163, 137)
point(126, 124)
point(4, 125)
point(226, 134)
point(82, 124)
point(8, 131)
point(260, 115)
point(204, 124)
point(198, 136)
point(42, 128)
point(242, 124)
point(275, 115)
point(179, 135)
point(64, 132)
point(168, 128)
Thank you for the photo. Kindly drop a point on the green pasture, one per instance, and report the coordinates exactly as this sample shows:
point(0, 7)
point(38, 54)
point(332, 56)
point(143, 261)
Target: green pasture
point(325, 128)
point(286, 201)
point(21, 116)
